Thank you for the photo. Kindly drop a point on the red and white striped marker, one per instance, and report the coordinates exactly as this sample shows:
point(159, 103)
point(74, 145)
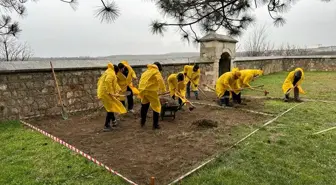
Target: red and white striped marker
point(77, 151)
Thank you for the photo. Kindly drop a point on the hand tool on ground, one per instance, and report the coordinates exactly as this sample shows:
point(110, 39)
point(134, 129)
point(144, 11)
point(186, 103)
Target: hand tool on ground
point(197, 86)
point(64, 112)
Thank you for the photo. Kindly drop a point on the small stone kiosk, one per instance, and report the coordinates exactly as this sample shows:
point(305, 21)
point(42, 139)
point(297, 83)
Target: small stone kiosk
point(219, 50)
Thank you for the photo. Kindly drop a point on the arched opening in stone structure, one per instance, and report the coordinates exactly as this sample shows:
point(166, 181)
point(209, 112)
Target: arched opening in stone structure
point(224, 64)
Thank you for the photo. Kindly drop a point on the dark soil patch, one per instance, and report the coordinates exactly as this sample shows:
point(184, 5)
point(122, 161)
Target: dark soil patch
point(140, 153)
point(205, 123)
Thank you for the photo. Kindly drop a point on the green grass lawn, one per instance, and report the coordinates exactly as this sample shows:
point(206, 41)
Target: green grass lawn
point(317, 85)
point(28, 157)
point(284, 152)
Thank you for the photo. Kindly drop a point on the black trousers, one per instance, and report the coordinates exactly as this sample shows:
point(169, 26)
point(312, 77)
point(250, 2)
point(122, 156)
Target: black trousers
point(236, 97)
point(144, 111)
point(109, 117)
point(130, 102)
point(226, 98)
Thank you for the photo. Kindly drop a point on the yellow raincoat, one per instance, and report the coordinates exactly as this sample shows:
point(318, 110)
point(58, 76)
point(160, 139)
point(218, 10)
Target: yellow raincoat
point(151, 83)
point(125, 81)
point(288, 83)
point(227, 82)
point(192, 76)
point(247, 76)
point(107, 85)
point(175, 86)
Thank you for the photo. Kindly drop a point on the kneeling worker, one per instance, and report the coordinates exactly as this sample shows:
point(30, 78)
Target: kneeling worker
point(108, 91)
point(227, 85)
point(150, 85)
point(177, 87)
point(293, 81)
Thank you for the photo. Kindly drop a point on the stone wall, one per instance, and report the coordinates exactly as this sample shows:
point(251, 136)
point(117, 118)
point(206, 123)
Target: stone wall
point(277, 64)
point(27, 88)
point(25, 94)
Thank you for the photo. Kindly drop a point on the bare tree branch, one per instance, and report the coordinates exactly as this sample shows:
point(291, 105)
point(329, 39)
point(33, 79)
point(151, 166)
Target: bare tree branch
point(12, 50)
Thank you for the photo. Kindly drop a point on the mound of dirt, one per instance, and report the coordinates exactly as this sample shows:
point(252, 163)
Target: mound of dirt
point(205, 123)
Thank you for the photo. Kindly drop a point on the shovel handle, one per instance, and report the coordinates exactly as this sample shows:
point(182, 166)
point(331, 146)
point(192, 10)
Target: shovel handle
point(55, 79)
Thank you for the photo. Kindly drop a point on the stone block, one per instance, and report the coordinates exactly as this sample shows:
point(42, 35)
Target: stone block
point(43, 106)
point(3, 87)
point(69, 94)
point(64, 81)
point(15, 111)
point(35, 106)
point(25, 110)
point(49, 83)
point(3, 78)
point(71, 101)
point(29, 100)
point(13, 78)
point(81, 80)
point(6, 94)
point(78, 73)
point(12, 102)
point(44, 90)
point(25, 77)
point(75, 80)
point(87, 86)
point(30, 85)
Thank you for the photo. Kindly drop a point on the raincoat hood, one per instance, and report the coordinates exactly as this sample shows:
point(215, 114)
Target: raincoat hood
point(257, 72)
point(152, 66)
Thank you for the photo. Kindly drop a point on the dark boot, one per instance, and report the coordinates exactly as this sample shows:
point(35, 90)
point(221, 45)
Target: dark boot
point(143, 112)
point(156, 120)
point(107, 126)
point(196, 95)
point(297, 95)
point(286, 98)
point(226, 99)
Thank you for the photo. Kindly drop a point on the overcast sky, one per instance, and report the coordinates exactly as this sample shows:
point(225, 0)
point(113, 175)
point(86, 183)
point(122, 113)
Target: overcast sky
point(54, 29)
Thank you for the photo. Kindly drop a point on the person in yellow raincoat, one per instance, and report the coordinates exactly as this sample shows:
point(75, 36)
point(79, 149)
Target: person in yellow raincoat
point(226, 86)
point(107, 91)
point(192, 77)
point(150, 85)
point(125, 76)
point(293, 82)
point(247, 75)
point(177, 87)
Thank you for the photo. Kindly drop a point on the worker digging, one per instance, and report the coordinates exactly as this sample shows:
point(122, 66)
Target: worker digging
point(150, 85)
point(227, 86)
point(108, 92)
point(125, 77)
point(293, 82)
point(192, 78)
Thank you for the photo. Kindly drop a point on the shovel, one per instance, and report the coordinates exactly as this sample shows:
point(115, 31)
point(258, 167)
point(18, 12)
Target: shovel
point(64, 112)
